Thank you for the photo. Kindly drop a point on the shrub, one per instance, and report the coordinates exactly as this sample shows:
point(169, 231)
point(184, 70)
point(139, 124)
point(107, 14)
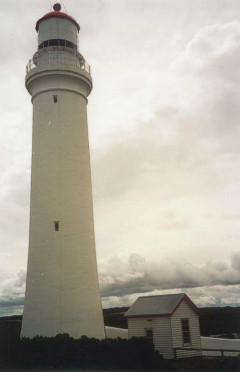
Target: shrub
point(63, 351)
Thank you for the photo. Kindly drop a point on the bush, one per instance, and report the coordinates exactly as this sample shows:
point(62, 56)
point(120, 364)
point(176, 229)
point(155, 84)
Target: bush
point(63, 351)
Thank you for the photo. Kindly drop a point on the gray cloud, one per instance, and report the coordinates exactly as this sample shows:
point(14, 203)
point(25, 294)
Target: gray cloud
point(218, 295)
point(13, 288)
point(121, 282)
point(139, 275)
point(12, 303)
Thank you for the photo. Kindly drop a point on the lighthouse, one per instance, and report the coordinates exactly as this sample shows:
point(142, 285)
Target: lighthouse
point(62, 290)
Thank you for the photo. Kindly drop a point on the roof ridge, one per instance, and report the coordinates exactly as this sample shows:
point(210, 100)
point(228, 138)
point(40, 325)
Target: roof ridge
point(169, 294)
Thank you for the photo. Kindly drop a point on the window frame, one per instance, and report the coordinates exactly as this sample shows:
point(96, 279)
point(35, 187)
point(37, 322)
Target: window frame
point(149, 329)
point(186, 332)
point(57, 42)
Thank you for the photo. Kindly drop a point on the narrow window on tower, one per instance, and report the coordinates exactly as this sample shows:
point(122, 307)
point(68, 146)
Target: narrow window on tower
point(55, 99)
point(56, 225)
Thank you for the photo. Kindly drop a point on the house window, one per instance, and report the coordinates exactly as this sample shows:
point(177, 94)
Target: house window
point(149, 333)
point(186, 332)
point(55, 99)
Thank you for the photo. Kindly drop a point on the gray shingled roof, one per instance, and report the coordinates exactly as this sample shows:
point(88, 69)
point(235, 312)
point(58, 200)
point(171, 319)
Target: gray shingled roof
point(155, 305)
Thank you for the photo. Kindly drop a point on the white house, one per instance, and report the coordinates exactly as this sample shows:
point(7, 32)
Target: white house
point(171, 321)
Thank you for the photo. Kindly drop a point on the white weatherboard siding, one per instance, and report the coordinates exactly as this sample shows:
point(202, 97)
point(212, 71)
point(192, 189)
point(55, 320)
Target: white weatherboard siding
point(162, 332)
point(184, 311)
point(162, 336)
point(62, 291)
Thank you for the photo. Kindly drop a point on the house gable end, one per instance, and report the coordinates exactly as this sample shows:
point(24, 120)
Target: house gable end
point(185, 313)
point(189, 302)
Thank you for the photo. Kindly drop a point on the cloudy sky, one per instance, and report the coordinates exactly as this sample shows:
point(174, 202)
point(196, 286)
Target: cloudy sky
point(165, 146)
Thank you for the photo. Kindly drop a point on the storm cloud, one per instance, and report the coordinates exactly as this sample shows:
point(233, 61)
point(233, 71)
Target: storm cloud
point(139, 275)
point(215, 283)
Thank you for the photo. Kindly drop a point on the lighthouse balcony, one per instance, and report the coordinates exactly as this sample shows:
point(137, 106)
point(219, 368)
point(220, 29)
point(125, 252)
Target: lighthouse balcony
point(61, 57)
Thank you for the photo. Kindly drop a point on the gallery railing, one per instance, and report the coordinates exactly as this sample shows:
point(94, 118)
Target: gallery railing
point(53, 57)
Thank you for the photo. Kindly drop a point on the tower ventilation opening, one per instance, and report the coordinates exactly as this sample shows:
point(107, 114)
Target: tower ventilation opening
point(56, 225)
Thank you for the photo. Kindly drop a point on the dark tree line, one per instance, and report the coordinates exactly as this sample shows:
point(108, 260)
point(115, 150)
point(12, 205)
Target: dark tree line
point(65, 352)
point(220, 320)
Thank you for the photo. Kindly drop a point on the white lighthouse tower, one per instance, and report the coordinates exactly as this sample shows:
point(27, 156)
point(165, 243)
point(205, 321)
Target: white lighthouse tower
point(62, 290)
